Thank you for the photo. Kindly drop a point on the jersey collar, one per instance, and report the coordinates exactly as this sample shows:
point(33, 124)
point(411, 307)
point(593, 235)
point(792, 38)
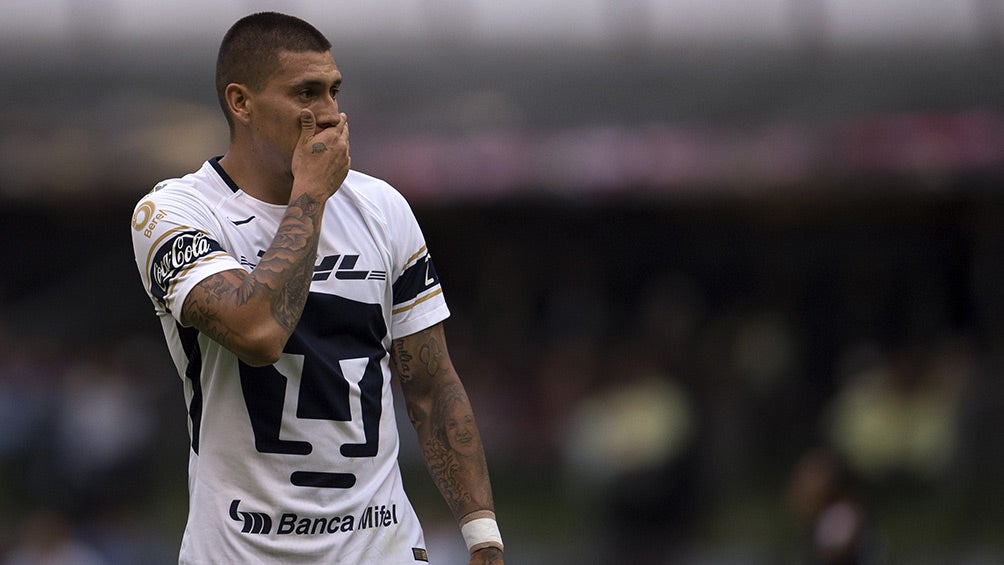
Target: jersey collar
point(215, 162)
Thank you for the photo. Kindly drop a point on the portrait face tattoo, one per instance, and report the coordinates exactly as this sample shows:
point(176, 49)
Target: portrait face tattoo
point(460, 430)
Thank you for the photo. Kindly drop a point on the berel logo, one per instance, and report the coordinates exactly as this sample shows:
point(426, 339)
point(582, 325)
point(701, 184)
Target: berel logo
point(146, 217)
point(143, 213)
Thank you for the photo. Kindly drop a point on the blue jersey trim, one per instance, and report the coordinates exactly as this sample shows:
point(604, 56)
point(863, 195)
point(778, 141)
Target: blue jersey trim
point(215, 162)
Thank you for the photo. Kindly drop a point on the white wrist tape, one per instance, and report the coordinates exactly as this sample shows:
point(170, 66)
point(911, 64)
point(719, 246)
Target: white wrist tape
point(480, 530)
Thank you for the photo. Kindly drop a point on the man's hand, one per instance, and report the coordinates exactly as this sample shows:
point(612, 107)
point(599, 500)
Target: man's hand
point(321, 158)
point(487, 556)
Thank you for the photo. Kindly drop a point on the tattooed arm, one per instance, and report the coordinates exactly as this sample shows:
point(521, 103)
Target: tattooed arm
point(440, 410)
point(253, 314)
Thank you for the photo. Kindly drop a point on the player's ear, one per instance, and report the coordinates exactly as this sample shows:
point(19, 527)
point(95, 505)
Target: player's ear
point(239, 101)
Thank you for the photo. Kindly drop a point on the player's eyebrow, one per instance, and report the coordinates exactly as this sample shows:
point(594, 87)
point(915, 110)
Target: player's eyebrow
point(317, 83)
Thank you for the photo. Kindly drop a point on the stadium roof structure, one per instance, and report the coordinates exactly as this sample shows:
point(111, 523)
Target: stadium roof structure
point(582, 96)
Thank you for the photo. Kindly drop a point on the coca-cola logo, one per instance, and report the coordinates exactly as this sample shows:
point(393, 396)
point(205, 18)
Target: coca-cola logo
point(178, 253)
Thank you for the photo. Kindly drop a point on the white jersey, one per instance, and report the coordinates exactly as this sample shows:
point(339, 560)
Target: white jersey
point(295, 462)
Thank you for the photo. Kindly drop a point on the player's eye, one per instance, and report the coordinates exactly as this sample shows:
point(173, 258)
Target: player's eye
point(334, 92)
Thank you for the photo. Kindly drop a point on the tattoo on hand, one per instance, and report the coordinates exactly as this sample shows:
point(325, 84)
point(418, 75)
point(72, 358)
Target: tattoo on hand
point(318, 148)
point(489, 555)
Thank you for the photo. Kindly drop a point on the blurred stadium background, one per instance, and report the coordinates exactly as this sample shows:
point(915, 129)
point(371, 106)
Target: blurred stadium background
point(688, 246)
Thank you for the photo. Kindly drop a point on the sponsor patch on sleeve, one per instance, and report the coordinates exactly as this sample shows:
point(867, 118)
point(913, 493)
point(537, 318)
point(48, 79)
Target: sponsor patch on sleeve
point(177, 254)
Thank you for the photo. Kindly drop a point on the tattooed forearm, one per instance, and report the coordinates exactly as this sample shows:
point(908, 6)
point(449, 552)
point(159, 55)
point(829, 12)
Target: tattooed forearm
point(441, 412)
point(204, 302)
point(287, 266)
point(279, 284)
point(443, 457)
point(454, 452)
point(197, 313)
point(444, 468)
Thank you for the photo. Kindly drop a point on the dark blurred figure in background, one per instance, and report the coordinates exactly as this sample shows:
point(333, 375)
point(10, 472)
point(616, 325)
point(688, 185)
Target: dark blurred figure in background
point(896, 417)
point(48, 538)
point(630, 443)
point(823, 496)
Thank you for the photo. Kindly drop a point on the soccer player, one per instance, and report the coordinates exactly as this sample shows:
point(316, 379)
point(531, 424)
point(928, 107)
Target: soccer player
point(290, 289)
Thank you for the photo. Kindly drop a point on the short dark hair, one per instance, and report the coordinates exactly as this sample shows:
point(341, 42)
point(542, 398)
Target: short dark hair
point(249, 52)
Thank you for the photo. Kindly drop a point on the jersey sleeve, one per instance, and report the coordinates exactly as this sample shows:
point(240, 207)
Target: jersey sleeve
point(418, 301)
point(176, 243)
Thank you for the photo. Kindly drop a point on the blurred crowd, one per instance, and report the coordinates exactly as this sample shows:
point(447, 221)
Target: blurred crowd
point(85, 436)
point(653, 386)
